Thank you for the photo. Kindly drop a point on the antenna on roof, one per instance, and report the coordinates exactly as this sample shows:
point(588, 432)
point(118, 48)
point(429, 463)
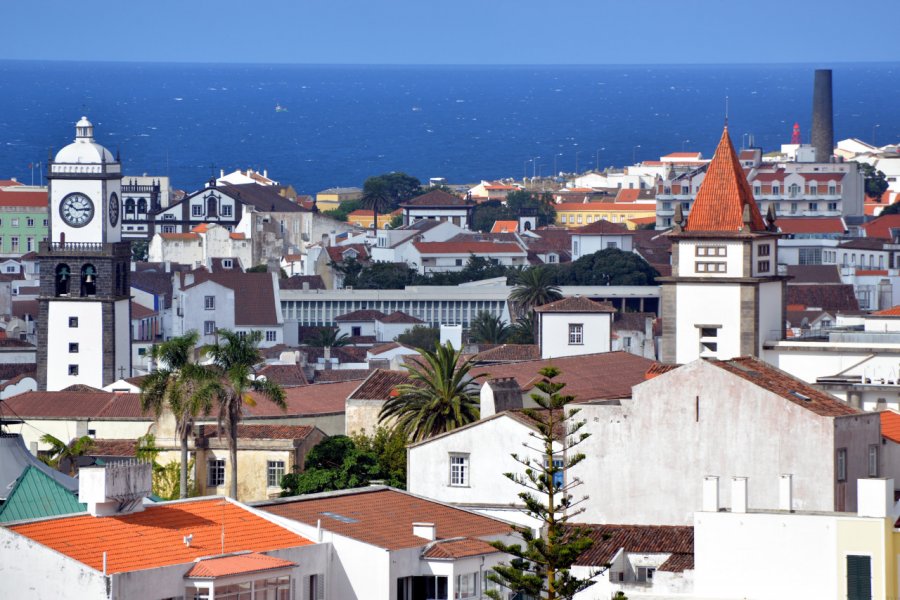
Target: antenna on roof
point(726, 112)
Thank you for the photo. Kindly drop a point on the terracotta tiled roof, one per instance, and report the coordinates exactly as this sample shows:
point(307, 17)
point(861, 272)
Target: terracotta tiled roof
point(359, 315)
point(315, 399)
point(250, 309)
point(678, 563)
point(719, 205)
point(628, 195)
point(477, 248)
point(603, 227)
point(644, 539)
point(864, 244)
point(315, 282)
point(827, 297)
point(438, 198)
point(10, 370)
point(81, 387)
point(382, 348)
point(191, 237)
point(881, 227)
point(399, 317)
point(811, 225)
point(461, 548)
point(890, 425)
point(113, 448)
point(509, 353)
point(603, 376)
point(259, 432)
point(139, 311)
point(334, 375)
point(379, 385)
point(657, 369)
point(814, 274)
point(576, 304)
point(384, 517)
point(344, 354)
point(336, 253)
point(24, 199)
point(893, 311)
point(505, 227)
point(155, 537)
point(264, 198)
point(95, 405)
point(284, 375)
point(240, 564)
point(786, 386)
point(642, 220)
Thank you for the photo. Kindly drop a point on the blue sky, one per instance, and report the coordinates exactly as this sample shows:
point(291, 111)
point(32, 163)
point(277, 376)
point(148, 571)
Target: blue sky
point(453, 31)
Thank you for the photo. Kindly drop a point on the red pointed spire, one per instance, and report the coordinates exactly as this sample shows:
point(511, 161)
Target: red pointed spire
point(724, 193)
point(795, 136)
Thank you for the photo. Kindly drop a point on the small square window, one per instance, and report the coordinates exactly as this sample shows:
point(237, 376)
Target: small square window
point(73, 348)
point(73, 370)
point(271, 335)
point(73, 321)
point(209, 302)
point(459, 470)
point(209, 327)
point(274, 473)
point(576, 334)
point(197, 210)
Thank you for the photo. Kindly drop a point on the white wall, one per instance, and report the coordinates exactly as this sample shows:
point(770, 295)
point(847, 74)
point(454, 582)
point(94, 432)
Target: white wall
point(589, 243)
point(555, 334)
point(123, 339)
point(733, 259)
point(68, 429)
point(699, 303)
point(88, 337)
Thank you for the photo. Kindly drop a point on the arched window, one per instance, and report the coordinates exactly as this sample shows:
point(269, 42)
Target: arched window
point(63, 275)
point(129, 206)
point(88, 280)
point(141, 206)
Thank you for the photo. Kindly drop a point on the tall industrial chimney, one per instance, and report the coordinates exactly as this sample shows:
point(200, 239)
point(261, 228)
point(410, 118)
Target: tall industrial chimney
point(822, 116)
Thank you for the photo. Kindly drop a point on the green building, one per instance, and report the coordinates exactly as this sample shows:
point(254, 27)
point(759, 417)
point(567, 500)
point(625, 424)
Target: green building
point(23, 218)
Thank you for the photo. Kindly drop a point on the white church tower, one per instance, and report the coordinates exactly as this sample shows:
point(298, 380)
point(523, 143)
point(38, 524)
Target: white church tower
point(84, 308)
point(725, 297)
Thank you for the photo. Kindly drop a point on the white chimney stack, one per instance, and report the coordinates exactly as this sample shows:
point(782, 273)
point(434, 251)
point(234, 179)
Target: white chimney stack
point(738, 494)
point(875, 497)
point(117, 488)
point(425, 530)
point(711, 494)
point(786, 493)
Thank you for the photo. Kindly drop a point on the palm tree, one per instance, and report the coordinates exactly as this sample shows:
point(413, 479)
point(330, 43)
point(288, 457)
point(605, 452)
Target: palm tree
point(234, 357)
point(327, 337)
point(438, 397)
point(183, 387)
point(534, 287)
point(61, 452)
point(523, 331)
point(375, 196)
point(488, 329)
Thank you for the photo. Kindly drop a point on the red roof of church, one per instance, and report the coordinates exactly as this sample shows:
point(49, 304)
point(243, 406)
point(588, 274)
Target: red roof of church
point(719, 205)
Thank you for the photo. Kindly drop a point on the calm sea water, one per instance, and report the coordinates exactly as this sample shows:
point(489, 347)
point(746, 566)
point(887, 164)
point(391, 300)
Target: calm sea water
point(344, 123)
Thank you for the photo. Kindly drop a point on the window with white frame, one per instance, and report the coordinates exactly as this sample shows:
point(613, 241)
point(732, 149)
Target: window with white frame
point(215, 472)
point(14, 222)
point(710, 267)
point(271, 335)
point(196, 210)
point(612, 245)
point(459, 470)
point(29, 222)
point(873, 460)
point(209, 302)
point(832, 206)
point(721, 251)
point(576, 334)
point(226, 210)
point(466, 586)
point(209, 327)
point(274, 473)
point(813, 206)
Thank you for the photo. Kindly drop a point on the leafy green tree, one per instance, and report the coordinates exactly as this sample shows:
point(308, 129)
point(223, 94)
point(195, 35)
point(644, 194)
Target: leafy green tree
point(439, 397)
point(486, 213)
point(534, 287)
point(139, 250)
point(522, 203)
point(181, 386)
point(542, 567)
point(167, 477)
point(893, 209)
point(376, 197)
point(875, 181)
point(342, 462)
point(343, 210)
point(606, 267)
point(234, 357)
point(351, 269)
point(399, 187)
point(62, 453)
point(396, 221)
point(385, 276)
point(488, 329)
point(420, 336)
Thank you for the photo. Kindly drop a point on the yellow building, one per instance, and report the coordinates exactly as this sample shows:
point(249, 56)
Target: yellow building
point(574, 215)
point(363, 218)
point(332, 198)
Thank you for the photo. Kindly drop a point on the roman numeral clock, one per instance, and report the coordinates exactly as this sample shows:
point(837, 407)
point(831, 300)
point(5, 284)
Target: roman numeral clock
point(84, 307)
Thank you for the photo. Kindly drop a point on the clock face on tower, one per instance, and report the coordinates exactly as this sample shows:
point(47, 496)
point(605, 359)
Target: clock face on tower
point(113, 209)
point(76, 210)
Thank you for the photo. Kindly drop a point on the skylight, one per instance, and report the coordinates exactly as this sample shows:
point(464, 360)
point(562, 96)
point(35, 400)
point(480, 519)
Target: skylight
point(340, 518)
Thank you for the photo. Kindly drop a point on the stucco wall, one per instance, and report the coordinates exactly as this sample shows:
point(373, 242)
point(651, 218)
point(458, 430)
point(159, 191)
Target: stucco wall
point(707, 305)
point(89, 357)
point(554, 336)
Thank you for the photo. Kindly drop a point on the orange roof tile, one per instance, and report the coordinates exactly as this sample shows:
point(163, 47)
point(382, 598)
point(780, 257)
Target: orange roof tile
point(628, 195)
point(29, 199)
point(505, 227)
point(613, 206)
point(180, 236)
point(477, 248)
point(719, 205)
point(893, 311)
point(225, 566)
point(882, 227)
point(890, 425)
point(155, 537)
point(201, 228)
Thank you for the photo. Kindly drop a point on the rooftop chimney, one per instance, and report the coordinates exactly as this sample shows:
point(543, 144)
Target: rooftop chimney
point(711, 494)
point(738, 494)
point(875, 498)
point(114, 489)
point(786, 493)
point(822, 116)
point(425, 530)
point(498, 395)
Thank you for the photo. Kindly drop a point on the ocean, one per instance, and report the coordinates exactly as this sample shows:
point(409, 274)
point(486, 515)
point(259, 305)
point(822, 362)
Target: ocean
point(341, 124)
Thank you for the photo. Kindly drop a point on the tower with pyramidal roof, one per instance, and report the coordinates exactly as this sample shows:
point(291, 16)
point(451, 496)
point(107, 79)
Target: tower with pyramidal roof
point(724, 297)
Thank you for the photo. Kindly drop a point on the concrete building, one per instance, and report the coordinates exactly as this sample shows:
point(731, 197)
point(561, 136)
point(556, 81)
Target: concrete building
point(449, 256)
point(23, 218)
point(724, 294)
point(332, 198)
point(600, 235)
point(438, 205)
point(142, 197)
point(202, 244)
point(576, 215)
point(574, 326)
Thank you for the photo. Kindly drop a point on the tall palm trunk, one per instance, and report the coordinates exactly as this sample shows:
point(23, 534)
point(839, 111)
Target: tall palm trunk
point(375, 220)
point(232, 455)
point(183, 482)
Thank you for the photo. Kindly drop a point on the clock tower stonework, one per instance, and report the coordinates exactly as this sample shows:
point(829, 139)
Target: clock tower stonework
point(84, 307)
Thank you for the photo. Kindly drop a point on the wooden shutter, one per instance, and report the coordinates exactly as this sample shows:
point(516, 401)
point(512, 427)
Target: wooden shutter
point(859, 577)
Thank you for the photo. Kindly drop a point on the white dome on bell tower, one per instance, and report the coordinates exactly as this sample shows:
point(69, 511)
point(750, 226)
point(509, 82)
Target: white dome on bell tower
point(84, 150)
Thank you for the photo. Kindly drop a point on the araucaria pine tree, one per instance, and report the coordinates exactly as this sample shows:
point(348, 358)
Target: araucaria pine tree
point(541, 567)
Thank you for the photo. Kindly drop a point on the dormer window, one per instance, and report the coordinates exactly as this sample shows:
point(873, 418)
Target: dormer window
point(227, 264)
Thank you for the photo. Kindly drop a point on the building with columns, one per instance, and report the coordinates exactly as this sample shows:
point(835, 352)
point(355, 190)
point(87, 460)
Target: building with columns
point(724, 296)
point(84, 313)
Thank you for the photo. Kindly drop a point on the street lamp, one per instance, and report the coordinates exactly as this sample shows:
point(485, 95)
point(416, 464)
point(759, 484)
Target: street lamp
point(576, 160)
point(873, 132)
point(525, 169)
point(555, 172)
point(634, 153)
point(534, 166)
